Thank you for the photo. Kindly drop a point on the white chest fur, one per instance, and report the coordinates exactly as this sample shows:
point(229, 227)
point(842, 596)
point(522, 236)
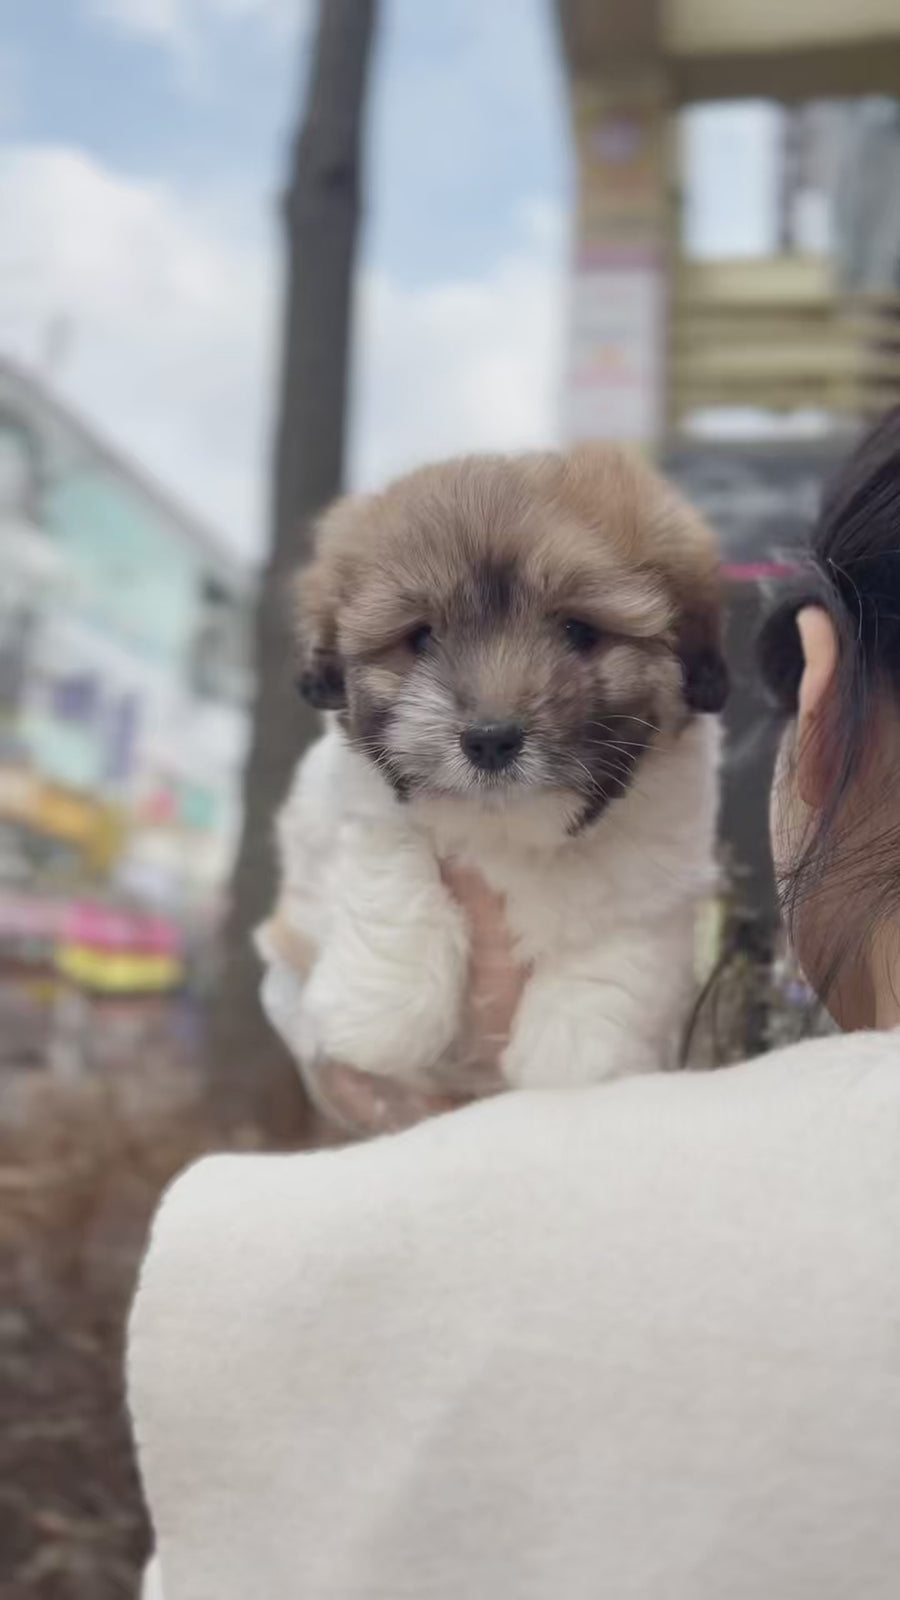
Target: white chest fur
point(604, 919)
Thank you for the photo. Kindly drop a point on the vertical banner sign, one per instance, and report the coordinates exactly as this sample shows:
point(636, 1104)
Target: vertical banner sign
point(615, 377)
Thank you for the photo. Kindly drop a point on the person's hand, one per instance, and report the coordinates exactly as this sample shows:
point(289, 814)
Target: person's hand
point(495, 982)
point(363, 1104)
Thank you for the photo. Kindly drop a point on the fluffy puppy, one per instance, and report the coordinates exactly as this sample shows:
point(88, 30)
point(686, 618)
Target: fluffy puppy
point(519, 656)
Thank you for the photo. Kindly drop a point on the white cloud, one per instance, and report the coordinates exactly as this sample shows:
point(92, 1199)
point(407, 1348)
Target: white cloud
point(461, 366)
point(177, 21)
point(171, 314)
point(156, 19)
point(187, 29)
point(168, 323)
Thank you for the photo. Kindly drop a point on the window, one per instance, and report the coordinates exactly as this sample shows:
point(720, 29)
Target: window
point(19, 463)
point(16, 633)
point(218, 667)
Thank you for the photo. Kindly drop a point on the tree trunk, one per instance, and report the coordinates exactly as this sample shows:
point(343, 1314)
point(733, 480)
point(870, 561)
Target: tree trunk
point(252, 1076)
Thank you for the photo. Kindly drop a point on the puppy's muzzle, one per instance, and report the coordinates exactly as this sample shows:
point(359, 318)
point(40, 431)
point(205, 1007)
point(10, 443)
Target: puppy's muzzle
point(492, 746)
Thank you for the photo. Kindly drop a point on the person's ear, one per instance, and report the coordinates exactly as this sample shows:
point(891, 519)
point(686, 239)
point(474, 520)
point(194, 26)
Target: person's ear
point(815, 747)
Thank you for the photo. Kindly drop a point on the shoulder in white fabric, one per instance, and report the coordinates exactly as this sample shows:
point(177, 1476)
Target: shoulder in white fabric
point(647, 1331)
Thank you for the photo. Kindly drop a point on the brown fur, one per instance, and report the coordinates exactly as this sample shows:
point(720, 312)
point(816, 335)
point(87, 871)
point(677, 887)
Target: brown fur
point(494, 554)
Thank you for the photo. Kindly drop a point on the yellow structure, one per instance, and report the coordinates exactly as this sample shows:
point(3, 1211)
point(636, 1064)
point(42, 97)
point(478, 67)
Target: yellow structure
point(778, 335)
point(654, 338)
point(728, 49)
point(91, 826)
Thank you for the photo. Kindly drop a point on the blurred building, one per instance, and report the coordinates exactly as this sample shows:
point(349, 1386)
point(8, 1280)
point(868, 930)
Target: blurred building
point(124, 675)
point(812, 329)
point(747, 377)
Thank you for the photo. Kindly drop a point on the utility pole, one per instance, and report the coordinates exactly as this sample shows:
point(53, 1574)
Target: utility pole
point(251, 1074)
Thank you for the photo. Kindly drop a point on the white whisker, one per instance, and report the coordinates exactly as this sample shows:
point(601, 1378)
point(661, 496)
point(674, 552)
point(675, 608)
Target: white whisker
point(618, 744)
point(586, 770)
point(623, 716)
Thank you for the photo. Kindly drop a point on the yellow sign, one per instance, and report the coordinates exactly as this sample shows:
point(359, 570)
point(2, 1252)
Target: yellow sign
point(113, 972)
point(63, 815)
point(81, 820)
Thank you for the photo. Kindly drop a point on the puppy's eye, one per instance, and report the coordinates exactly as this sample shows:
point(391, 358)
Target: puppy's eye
point(582, 636)
point(420, 638)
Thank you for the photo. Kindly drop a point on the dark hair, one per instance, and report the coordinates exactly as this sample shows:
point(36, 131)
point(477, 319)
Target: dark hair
point(853, 575)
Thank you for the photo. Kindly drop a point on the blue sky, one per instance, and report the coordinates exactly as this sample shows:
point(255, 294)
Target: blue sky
point(142, 146)
point(467, 112)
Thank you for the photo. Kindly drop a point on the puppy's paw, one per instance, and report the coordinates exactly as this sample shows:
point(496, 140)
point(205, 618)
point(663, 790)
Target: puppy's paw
point(550, 1056)
point(282, 995)
point(389, 1004)
point(564, 1038)
point(385, 993)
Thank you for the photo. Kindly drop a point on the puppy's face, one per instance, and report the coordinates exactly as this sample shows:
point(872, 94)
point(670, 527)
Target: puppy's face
point(491, 628)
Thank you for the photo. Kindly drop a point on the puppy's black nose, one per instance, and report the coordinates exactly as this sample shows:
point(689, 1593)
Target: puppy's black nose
point(491, 746)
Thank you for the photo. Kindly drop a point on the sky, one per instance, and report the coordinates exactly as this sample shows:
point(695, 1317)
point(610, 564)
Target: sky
point(143, 144)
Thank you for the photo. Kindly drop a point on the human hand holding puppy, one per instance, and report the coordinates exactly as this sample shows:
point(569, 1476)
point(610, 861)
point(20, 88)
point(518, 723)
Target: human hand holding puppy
point(518, 655)
point(365, 1103)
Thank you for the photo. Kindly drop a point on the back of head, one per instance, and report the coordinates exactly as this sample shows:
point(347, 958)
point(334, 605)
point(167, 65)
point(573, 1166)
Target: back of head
point(847, 853)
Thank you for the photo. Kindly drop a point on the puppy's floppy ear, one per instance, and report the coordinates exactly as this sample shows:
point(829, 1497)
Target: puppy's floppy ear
point(321, 681)
point(321, 677)
point(688, 551)
point(699, 647)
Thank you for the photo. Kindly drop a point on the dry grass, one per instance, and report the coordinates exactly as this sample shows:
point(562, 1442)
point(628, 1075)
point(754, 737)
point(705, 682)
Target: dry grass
point(81, 1172)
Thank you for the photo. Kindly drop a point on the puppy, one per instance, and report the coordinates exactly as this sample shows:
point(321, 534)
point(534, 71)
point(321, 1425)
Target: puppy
point(520, 658)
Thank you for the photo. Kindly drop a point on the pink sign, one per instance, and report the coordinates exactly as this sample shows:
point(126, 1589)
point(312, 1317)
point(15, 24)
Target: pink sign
point(104, 928)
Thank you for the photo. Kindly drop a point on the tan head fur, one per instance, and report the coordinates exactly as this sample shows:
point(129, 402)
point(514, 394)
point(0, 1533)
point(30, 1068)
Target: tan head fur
point(496, 624)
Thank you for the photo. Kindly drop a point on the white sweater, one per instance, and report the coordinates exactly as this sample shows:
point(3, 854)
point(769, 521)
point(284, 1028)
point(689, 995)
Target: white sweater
point(639, 1342)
